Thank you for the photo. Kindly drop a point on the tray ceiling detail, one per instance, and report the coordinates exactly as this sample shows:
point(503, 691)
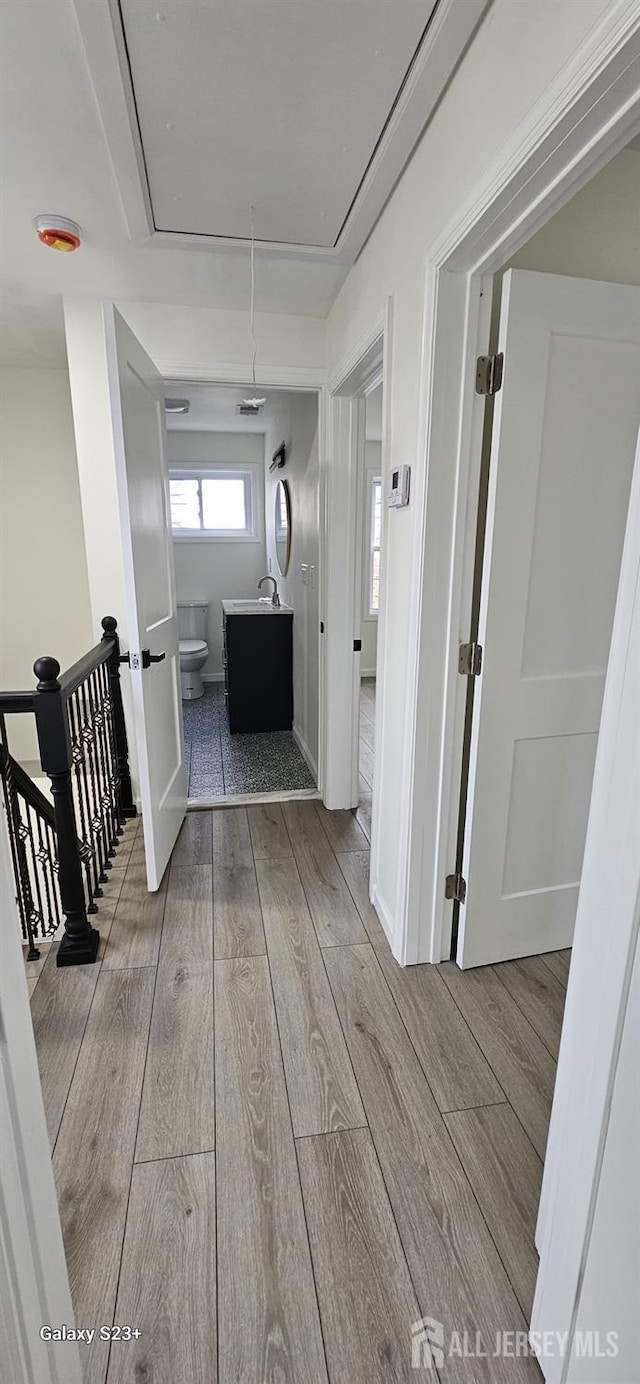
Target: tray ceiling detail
point(279, 105)
point(306, 112)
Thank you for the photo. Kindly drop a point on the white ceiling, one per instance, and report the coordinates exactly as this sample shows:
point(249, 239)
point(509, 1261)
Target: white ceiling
point(213, 408)
point(279, 105)
point(70, 147)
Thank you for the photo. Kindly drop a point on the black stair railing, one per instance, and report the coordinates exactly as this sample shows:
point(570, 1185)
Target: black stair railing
point(32, 835)
point(62, 852)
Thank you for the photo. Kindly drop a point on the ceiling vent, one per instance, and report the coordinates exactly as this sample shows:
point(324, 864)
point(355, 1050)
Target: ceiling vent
point(249, 410)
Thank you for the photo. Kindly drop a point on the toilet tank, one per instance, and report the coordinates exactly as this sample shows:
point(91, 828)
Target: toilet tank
point(192, 619)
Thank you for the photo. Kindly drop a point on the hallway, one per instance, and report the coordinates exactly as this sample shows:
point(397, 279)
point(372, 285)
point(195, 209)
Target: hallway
point(275, 1149)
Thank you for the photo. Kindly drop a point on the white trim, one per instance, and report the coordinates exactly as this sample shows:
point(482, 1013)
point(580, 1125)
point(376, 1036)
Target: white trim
point(345, 451)
point(247, 799)
point(451, 28)
point(600, 975)
point(383, 912)
point(368, 361)
point(292, 378)
point(371, 479)
point(582, 119)
point(359, 372)
point(34, 1284)
point(305, 751)
point(211, 677)
point(210, 536)
point(367, 672)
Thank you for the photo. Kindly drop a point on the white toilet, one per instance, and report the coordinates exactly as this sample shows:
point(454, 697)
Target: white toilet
point(193, 647)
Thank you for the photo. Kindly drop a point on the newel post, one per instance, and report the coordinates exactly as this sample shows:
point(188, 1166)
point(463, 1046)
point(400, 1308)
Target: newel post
point(127, 805)
point(80, 942)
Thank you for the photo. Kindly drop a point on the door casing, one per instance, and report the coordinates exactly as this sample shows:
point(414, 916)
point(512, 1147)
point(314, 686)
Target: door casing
point(366, 367)
point(579, 124)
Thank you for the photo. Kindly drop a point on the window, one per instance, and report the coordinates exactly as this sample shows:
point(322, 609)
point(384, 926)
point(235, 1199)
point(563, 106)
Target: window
point(375, 513)
point(213, 504)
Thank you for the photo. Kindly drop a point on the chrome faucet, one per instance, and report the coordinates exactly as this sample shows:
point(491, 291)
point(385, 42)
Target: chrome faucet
point(275, 599)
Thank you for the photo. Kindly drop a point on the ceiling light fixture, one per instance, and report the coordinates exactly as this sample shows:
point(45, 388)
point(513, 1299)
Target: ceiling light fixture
point(254, 403)
point(177, 405)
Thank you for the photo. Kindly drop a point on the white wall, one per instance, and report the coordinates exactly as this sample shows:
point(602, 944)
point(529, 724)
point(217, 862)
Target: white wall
point(296, 424)
point(372, 468)
point(44, 592)
point(495, 81)
point(597, 234)
point(213, 570)
point(197, 338)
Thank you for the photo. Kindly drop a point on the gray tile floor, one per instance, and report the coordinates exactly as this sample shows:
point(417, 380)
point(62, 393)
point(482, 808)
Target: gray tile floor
point(220, 763)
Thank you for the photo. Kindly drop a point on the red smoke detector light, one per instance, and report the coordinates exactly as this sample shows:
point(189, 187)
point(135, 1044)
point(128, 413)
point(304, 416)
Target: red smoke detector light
point(58, 232)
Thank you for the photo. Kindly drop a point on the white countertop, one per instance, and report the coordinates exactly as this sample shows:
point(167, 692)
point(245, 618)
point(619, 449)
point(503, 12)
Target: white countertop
point(249, 607)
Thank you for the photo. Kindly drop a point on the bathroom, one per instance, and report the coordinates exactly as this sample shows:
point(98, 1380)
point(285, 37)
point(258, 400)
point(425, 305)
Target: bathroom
point(243, 480)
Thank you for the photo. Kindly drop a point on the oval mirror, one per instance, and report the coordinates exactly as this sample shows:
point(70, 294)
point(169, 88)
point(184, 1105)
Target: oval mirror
point(283, 526)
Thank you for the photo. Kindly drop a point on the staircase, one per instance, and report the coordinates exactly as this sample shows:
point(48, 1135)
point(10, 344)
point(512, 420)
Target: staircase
point(63, 849)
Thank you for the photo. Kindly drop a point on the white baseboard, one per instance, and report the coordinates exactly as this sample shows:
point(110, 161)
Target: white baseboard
point(305, 751)
point(213, 677)
point(367, 673)
point(383, 914)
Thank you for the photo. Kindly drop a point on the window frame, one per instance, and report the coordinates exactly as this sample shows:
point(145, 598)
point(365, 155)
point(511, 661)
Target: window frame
point(373, 479)
point(249, 473)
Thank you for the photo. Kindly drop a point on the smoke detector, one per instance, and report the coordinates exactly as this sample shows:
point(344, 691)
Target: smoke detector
point(58, 232)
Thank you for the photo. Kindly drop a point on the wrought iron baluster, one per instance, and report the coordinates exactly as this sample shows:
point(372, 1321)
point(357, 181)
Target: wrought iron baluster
point(114, 769)
point(42, 862)
point(89, 769)
point(98, 713)
point(80, 942)
point(18, 853)
point(37, 916)
point(111, 767)
point(87, 851)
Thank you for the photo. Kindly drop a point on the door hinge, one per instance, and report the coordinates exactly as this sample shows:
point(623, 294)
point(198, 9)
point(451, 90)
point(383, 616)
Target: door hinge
point(455, 888)
point(470, 660)
point(489, 373)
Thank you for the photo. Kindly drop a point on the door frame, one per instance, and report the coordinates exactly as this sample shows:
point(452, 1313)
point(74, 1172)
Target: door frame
point(365, 368)
point(582, 121)
point(292, 380)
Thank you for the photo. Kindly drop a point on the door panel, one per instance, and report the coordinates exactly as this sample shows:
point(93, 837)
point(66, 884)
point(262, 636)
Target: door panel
point(137, 403)
point(564, 437)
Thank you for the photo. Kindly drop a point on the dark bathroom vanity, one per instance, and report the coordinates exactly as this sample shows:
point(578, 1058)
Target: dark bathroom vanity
point(258, 665)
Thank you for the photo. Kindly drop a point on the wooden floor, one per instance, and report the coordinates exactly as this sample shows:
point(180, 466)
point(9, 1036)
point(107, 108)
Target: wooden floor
point(274, 1149)
point(366, 752)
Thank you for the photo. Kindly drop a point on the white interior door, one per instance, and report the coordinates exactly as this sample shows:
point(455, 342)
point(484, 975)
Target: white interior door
point(137, 409)
point(565, 430)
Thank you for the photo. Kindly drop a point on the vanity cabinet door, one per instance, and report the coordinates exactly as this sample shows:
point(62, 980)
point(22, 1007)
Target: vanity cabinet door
point(259, 672)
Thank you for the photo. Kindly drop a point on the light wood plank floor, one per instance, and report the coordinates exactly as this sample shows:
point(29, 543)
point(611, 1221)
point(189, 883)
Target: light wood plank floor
point(274, 1148)
point(366, 754)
